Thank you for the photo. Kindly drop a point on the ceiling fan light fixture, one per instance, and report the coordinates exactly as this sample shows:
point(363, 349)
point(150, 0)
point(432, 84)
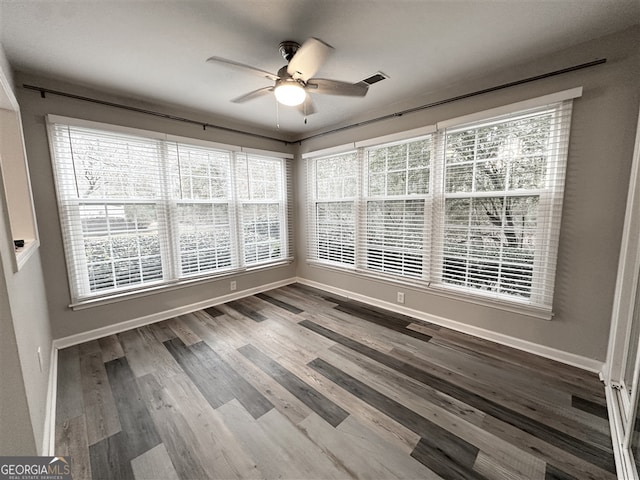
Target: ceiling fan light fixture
point(289, 92)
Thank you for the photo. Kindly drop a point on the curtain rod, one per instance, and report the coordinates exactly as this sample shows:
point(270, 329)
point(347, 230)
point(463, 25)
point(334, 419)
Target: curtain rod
point(43, 91)
point(458, 97)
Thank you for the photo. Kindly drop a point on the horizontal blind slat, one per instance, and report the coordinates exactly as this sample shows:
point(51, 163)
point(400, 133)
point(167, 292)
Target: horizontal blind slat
point(140, 211)
point(475, 207)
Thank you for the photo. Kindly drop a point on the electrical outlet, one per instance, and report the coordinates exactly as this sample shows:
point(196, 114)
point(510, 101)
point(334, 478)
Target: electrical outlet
point(400, 298)
point(39, 353)
point(233, 285)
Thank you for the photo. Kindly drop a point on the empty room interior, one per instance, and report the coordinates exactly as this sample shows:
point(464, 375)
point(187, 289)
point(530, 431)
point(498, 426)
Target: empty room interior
point(320, 239)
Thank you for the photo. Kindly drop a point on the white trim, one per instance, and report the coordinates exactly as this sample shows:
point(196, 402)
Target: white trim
point(325, 152)
point(87, 336)
point(49, 434)
point(477, 298)
point(513, 107)
point(266, 153)
point(174, 285)
point(627, 277)
point(109, 127)
point(392, 137)
point(201, 143)
point(624, 464)
point(396, 137)
point(567, 358)
point(7, 219)
point(8, 99)
point(18, 172)
point(22, 255)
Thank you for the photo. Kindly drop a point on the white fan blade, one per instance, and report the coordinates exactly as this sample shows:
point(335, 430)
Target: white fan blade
point(335, 87)
point(255, 94)
point(308, 59)
point(307, 107)
point(242, 66)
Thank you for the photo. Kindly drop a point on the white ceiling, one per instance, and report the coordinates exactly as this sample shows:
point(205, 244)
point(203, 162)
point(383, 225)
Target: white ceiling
point(156, 50)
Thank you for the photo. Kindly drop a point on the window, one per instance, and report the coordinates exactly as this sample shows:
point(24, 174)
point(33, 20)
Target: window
point(500, 190)
point(334, 181)
point(397, 194)
point(138, 211)
point(502, 198)
point(201, 186)
point(262, 206)
point(473, 208)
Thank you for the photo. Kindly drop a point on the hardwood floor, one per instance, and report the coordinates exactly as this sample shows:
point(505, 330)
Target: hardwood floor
point(297, 383)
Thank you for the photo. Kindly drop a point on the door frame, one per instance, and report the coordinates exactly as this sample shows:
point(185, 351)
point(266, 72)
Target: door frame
point(621, 405)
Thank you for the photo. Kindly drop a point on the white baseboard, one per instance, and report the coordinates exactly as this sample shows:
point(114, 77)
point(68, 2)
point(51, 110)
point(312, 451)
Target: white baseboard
point(48, 444)
point(624, 463)
point(164, 315)
point(567, 358)
point(49, 434)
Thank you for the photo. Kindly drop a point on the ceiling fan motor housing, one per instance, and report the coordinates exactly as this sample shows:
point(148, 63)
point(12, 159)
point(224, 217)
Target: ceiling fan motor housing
point(296, 79)
point(284, 75)
point(288, 49)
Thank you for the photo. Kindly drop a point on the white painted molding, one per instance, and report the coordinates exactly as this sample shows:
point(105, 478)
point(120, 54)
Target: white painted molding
point(26, 252)
point(348, 147)
point(624, 463)
point(164, 315)
point(513, 107)
point(8, 99)
point(49, 434)
point(49, 431)
point(628, 278)
point(396, 137)
point(567, 358)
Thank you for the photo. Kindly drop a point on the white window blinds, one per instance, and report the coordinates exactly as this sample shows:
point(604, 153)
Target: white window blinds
point(394, 208)
point(138, 212)
point(262, 195)
point(500, 218)
point(334, 185)
point(201, 184)
point(473, 207)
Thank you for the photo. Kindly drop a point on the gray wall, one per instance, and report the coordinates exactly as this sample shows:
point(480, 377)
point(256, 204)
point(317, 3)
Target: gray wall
point(17, 433)
point(600, 155)
point(24, 326)
point(601, 147)
point(65, 321)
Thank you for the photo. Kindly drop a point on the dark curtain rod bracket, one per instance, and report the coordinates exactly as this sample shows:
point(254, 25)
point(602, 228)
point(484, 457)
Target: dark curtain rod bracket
point(43, 91)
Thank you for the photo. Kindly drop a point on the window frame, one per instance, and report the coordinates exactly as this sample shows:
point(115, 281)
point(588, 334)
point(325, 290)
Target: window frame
point(425, 197)
point(312, 208)
point(166, 204)
point(280, 201)
point(549, 196)
point(538, 305)
point(175, 202)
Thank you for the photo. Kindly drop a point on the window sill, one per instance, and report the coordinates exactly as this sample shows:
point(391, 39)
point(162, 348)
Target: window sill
point(478, 299)
point(167, 287)
point(23, 254)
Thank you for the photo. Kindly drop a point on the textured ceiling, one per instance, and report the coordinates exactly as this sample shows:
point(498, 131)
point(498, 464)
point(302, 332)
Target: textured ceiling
point(156, 50)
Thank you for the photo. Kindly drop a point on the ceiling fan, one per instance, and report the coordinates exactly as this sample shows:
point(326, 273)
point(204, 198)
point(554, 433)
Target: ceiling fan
point(295, 80)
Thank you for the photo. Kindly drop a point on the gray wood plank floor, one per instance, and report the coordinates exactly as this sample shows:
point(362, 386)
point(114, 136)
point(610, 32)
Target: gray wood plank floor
point(298, 383)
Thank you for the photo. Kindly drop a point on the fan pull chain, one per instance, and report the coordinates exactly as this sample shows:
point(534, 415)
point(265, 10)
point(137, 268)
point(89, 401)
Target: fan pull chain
point(277, 115)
